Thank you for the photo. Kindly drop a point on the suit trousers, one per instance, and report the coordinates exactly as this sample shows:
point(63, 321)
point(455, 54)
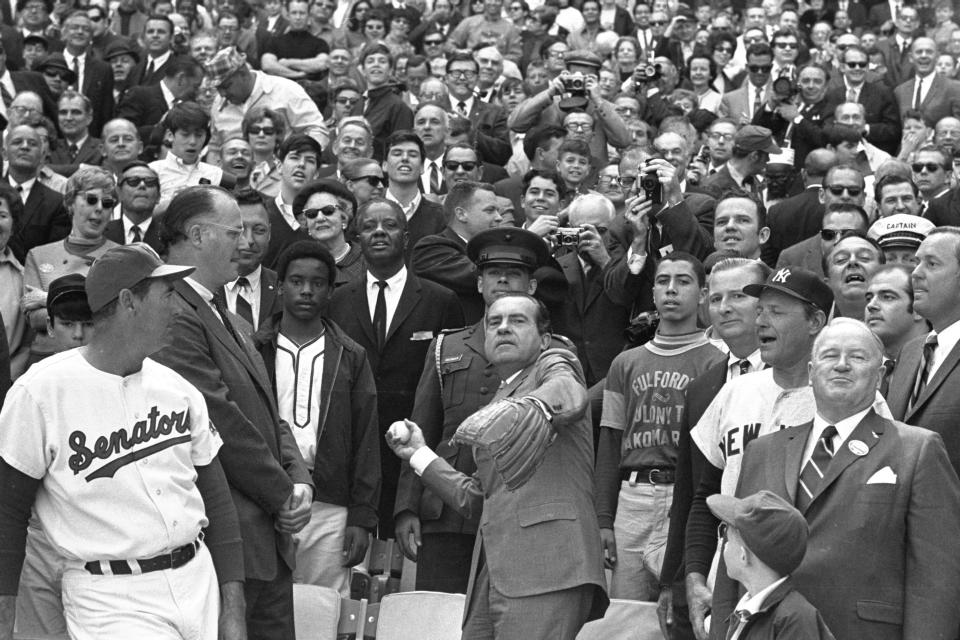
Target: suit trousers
point(643, 518)
point(270, 605)
point(320, 549)
point(443, 562)
point(557, 615)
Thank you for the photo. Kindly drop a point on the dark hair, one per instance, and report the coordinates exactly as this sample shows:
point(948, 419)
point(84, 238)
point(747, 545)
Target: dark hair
point(717, 37)
point(578, 147)
point(186, 116)
point(153, 17)
point(375, 47)
point(736, 194)
point(362, 211)
point(890, 267)
point(47, 4)
point(333, 187)
point(299, 142)
point(183, 64)
point(460, 194)
point(810, 65)
point(71, 307)
point(696, 265)
point(912, 114)
point(187, 206)
point(70, 94)
point(303, 249)
point(825, 260)
point(759, 49)
point(701, 55)
point(543, 314)
point(404, 135)
point(461, 145)
point(540, 138)
point(460, 56)
point(250, 198)
point(892, 179)
point(257, 114)
point(844, 207)
point(134, 164)
point(12, 198)
point(783, 33)
point(836, 133)
point(353, 24)
point(546, 174)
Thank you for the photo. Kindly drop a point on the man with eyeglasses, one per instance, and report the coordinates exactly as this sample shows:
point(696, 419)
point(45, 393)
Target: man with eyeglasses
point(881, 116)
point(102, 36)
point(786, 49)
point(935, 96)
point(931, 173)
point(488, 121)
point(433, 45)
point(841, 219)
point(744, 103)
point(801, 216)
point(210, 347)
point(461, 164)
point(139, 191)
point(544, 108)
point(364, 179)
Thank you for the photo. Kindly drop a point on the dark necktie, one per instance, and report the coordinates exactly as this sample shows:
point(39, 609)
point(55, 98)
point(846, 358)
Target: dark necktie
point(742, 616)
point(220, 304)
point(888, 366)
point(5, 95)
point(462, 108)
point(434, 178)
point(76, 71)
point(815, 468)
point(244, 310)
point(916, 98)
point(73, 149)
point(923, 371)
point(149, 72)
point(744, 366)
point(380, 315)
point(758, 101)
point(137, 234)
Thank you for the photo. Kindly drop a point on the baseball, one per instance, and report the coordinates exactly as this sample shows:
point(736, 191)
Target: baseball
point(399, 432)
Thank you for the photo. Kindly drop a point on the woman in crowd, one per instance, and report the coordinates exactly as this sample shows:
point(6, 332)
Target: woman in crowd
point(374, 27)
point(398, 33)
point(90, 196)
point(722, 46)
point(625, 57)
point(326, 206)
point(701, 72)
point(353, 26)
point(264, 129)
point(11, 282)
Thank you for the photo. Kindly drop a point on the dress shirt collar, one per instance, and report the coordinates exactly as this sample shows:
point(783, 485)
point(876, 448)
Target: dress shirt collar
point(844, 428)
point(159, 61)
point(946, 341)
point(7, 257)
point(733, 368)
point(286, 210)
point(753, 604)
point(129, 224)
point(176, 162)
point(253, 278)
point(394, 282)
point(409, 209)
point(201, 290)
point(736, 175)
point(168, 96)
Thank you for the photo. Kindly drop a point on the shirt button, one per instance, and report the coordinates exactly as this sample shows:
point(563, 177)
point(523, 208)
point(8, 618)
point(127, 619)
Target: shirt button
point(484, 390)
point(159, 492)
point(174, 523)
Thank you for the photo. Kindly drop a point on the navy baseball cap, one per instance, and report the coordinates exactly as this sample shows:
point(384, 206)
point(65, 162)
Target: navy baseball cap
point(798, 283)
point(125, 267)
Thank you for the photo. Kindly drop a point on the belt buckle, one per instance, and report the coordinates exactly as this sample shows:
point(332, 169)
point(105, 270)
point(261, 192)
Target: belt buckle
point(650, 475)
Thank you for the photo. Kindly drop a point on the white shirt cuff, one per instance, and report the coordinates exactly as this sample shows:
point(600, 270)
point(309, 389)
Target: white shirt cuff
point(421, 459)
point(635, 261)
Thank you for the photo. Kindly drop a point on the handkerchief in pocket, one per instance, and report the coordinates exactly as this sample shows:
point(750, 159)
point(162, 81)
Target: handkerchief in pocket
point(883, 476)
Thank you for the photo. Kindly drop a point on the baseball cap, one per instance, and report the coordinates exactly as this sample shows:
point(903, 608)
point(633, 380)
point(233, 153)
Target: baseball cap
point(508, 245)
point(583, 58)
point(798, 283)
point(753, 138)
point(72, 284)
point(770, 526)
point(223, 65)
point(900, 230)
point(123, 268)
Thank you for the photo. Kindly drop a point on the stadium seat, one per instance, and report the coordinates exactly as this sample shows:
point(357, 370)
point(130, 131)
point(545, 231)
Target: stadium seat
point(625, 620)
point(316, 612)
point(420, 615)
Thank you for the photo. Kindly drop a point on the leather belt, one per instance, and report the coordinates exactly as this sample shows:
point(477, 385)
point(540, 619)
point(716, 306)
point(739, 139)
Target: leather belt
point(173, 560)
point(648, 475)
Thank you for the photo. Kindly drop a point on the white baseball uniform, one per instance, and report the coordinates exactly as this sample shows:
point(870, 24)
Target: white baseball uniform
point(117, 457)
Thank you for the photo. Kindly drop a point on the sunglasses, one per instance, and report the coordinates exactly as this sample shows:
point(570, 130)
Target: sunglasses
point(53, 73)
point(433, 43)
point(657, 23)
point(759, 68)
point(786, 45)
point(931, 167)
point(835, 234)
point(136, 181)
point(327, 211)
point(349, 101)
point(723, 49)
point(373, 181)
point(93, 200)
point(857, 65)
point(453, 165)
point(267, 131)
point(838, 191)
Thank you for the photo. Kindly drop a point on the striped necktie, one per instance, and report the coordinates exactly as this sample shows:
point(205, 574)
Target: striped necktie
point(816, 468)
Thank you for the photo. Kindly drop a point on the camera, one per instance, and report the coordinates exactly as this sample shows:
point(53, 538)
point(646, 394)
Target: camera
point(645, 73)
point(574, 84)
point(568, 236)
point(784, 89)
point(650, 183)
point(642, 328)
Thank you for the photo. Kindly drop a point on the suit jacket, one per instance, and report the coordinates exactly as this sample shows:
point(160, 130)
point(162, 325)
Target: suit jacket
point(44, 220)
point(260, 456)
point(807, 254)
point(805, 136)
point(88, 153)
point(882, 113)
point(944, 210)
point(543, 536)
point(493, 137)
point(140, 76)
point(736, 104)
point(281, 235)
point(423, 310)
point(135, 24)
point(428, 220)
point(114, 231)
point(943, 99)
point(143, 106)
point(591, 319)
point(791, 221)
point(98, 87)
point(689, 468)
point(722, 182)
point(938, 406)
point(347, 466)
point(443, 259)
point(270, 304)
point(899, 65)
point(883, 559)
point(878, 14)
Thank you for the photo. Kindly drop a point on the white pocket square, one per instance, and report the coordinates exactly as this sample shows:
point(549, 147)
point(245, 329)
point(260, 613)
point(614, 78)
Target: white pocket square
point(883, 476)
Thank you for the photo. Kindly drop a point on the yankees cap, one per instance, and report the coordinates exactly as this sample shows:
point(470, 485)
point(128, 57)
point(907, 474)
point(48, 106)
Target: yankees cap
point(123, 268)
point(797, 283)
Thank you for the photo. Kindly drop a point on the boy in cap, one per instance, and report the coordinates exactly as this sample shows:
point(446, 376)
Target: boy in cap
point(69, 321)
point(764, 539)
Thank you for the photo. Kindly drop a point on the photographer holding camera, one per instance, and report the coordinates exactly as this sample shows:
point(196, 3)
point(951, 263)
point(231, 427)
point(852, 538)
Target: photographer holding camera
point(752, 148)
point(577, 88)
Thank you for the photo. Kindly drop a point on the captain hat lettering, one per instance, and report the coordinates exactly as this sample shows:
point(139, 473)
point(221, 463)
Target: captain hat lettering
point(125, 267)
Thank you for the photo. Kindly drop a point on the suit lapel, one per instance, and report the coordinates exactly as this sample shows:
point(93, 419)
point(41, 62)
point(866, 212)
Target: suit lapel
point(362, 308)
point(574, 275)
point(868, 432)
point(268, 293)
point(933, 95)
point(951, 361)
point(34, 203)
point(409, 298)
point(511, 387)
point(793, 455)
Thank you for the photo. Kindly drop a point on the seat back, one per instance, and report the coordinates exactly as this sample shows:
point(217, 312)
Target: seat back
point(624, 620)
point(420, 615)
point(316, 612)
